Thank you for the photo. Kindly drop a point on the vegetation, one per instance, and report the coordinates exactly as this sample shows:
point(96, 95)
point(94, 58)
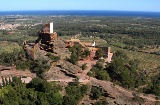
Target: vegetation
point(84, 66)
point(85, 53)
point(124, 71)
point(75, 54)
point(8, 46)
point(31, 30)
point(40, 92)
point(103, 102)
point(137, 39)
point(140, 34)
point(10, 58)
point(99, 72)
point(52, 57)
point(136, 34)
point(17, 38)
point(132, 33)
point(139, 99)
point(154, 86)
point(99, 53)
point(147, 61)
point(21, 60)
point(37, 92)
point(74, 92)
point(96, 92)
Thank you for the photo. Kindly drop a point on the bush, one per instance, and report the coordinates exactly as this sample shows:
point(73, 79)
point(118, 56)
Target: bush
point(102, 75)
point(99, 53)
point(76, 52)
point(90, 74)
point(103, 102)
point(96, 92)
point(74, 94)
point(99, 72)
point(52, 57)
point(84, 66)
point(85, 53)
point(139, 99)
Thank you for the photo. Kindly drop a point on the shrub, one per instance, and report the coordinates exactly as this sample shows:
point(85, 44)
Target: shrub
point(84, 66)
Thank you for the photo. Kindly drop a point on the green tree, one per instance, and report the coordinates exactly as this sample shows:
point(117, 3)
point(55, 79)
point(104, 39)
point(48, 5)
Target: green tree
point(35, 83)
point(99, 53)
point(74, 94)
point(76, 52)
point(69, 100)
point(74, 58)
point(83, 89)
point(3, 82)
point(16, 82)
point(6, 81)
point(102, 75)
point(84, 66)
point(9, 80)
point(96, 92)
point(85, 53)
point(99, 72)
point(42, 99)
point(54, 98)
point(124, 71)
point(45, 86)
point(154, 87)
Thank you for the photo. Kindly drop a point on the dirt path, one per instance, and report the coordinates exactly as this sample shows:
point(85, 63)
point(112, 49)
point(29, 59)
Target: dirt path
point(61, 80)
point(83, 76)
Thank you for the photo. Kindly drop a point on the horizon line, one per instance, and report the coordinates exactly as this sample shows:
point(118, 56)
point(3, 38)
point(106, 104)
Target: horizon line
point(78, 10)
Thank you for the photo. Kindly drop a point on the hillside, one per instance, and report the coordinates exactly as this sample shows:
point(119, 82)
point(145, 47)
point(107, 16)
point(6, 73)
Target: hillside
point(84, 61)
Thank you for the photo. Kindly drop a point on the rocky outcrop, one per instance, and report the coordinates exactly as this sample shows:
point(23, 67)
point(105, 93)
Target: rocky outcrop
point(70, 67)
point(47, 42)
point(58, 47)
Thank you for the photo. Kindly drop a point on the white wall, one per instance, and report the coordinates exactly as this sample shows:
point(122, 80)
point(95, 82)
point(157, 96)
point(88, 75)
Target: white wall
point(51, 27)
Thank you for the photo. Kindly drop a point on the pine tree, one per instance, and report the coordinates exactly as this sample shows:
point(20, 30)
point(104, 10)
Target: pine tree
point(10, 80)
point(0, 86)
point(3, 82)
point(6, 81)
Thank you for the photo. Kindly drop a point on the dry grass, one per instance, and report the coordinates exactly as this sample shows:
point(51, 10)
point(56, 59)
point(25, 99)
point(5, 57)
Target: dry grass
point(148, 61)
point(8, 46)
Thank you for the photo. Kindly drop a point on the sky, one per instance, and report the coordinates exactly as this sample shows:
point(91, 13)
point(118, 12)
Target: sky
point(122, 5)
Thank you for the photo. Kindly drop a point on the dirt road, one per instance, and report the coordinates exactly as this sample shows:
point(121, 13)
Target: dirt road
point(83, 76)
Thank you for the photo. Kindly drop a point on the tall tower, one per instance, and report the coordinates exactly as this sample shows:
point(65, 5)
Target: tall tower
point(51, 27)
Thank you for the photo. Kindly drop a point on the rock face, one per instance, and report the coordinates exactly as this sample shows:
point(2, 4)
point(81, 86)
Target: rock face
point(47, 42)
point(50, 43)
point(65, 71)
point(58, 48)
point(73, 69)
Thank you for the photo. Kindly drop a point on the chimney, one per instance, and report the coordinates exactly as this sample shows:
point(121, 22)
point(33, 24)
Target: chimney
point(51, 27)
